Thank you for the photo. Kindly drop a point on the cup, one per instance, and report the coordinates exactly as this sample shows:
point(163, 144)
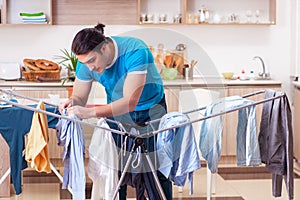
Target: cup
point(188, 73)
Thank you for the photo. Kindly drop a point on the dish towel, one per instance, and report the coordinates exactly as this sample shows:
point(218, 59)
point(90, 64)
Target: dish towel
point(36, 151)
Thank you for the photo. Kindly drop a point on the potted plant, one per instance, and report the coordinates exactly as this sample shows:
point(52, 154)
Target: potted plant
point(69, 60)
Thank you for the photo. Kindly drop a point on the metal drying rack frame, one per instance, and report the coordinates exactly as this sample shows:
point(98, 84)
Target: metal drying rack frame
point(138, 139)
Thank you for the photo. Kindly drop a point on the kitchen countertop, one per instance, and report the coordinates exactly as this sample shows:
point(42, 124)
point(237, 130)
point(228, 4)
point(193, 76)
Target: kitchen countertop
point(296, 83)
point(23, 83)
point(218, 82)
point(176, 82)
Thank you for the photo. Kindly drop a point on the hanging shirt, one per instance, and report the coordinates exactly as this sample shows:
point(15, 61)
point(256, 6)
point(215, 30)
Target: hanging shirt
point(276, 142)
point(15, 123)
point(211, 133)
point(70, 135)
point(177, 151)
point(37, 152)
point(103, 163)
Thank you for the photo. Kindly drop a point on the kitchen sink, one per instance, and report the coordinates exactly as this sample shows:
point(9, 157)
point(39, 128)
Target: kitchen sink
point(262, 78)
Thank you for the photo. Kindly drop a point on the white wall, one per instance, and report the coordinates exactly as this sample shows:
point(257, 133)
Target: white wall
point(231, 48)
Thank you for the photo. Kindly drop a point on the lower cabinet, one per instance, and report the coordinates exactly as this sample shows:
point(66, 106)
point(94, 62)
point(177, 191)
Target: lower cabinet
point(172, 94)
point(296, 126)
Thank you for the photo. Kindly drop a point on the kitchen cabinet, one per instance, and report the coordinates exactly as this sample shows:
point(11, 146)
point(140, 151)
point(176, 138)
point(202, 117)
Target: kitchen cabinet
point(11, 9)
point(213, 12)
point(77, 12)
point(172, 94)
point(296, 126)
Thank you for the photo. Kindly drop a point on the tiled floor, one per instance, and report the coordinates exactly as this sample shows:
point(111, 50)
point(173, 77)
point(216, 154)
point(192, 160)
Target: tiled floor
point(248, 189)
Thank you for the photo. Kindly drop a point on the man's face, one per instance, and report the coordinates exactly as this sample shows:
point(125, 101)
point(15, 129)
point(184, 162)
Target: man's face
point(94, 60)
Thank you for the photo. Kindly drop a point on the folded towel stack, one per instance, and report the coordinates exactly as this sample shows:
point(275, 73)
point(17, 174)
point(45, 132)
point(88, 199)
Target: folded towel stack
point(33, 18)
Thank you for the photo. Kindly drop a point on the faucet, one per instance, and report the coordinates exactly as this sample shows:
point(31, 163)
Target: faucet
point(262, 74)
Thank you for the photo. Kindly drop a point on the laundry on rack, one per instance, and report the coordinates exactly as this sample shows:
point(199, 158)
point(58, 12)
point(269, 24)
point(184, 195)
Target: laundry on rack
point(103, 163)
point(211, 133)
point(14, 136)
point(177, 151)
point(139, 174)
point(276, 142)
point(36, 151)
point(70, 135)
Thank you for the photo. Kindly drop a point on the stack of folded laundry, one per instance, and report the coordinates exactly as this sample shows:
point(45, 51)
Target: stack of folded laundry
point(33, 18)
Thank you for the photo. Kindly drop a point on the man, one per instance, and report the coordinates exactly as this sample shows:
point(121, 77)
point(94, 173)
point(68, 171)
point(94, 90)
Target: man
point(125, 67)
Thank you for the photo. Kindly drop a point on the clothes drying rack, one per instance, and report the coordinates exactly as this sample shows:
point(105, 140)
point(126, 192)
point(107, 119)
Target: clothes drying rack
point(138, 139)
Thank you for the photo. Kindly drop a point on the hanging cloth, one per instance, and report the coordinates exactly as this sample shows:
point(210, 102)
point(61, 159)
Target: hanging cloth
point(37, 152)
point(70, 135)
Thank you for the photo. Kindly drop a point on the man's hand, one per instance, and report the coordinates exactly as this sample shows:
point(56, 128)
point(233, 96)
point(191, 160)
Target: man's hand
point(66, 104)
point(82, 112)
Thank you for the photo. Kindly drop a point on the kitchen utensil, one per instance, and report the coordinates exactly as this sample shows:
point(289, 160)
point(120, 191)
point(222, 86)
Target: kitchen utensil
point(10, 71)
point(169, 73)
point(188, 73)
point(228, 75)
point(180, 47)
point(193, 63)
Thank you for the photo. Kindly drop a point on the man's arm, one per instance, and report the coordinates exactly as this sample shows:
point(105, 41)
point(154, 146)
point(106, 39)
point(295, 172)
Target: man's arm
point(132, 90)
point(81, 91)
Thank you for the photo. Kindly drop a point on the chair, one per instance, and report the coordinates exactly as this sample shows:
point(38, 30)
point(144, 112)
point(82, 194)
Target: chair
point(192, 99)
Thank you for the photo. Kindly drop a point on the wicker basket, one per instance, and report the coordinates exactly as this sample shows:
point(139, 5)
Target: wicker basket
point(32, 75)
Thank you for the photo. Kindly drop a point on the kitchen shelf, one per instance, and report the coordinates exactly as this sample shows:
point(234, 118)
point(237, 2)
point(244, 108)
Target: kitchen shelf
point(11, 9)
point(227, 12)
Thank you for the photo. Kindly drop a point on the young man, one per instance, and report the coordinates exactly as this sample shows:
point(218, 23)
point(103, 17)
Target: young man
point(125, 67)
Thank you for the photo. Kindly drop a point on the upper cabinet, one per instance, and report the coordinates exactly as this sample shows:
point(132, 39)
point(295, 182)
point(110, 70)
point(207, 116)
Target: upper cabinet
point(34, 12)
point(76, 12)
point(194, 12)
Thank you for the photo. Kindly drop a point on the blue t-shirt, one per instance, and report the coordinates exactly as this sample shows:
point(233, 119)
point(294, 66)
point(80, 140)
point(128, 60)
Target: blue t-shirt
point(133, 57)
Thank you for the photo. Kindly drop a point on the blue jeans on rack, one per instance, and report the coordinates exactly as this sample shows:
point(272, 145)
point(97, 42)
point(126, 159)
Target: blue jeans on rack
point(137, 120)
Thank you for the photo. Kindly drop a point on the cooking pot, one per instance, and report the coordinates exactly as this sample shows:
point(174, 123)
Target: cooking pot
point(10, 71)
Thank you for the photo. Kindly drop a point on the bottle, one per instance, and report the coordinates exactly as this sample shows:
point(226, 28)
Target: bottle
point(243, 76)
point(252, 76)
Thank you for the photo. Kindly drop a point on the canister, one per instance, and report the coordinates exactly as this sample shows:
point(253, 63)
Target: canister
point(188, 73)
